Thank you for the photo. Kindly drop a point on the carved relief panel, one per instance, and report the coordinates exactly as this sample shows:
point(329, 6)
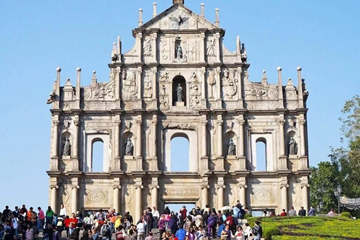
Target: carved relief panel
point(129, 84)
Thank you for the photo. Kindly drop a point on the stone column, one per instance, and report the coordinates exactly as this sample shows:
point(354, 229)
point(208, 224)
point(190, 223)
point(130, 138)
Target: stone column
point(284, 193)
point(139, 82)
point(54, 143)
point(154, 192)
point(138, 199)
point(282, 157)
point(302, 121)
point(117, 72)
point(240, 144)
point(53, 193)
point(220, 192)
point(218, 47)
point(218, 84)
point(117, 196)
point(242, 195)
point(75, 147)
point(154, 37)
point(116, 143)
point(74, 196)
point(305, 192)
point(202, 47)
point(204, 195)
point(239, 74)
point(219, 130)
point(138, 149)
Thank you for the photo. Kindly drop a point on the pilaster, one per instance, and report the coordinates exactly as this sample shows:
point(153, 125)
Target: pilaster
point(54, 161)
point(74, 194)
point(284, 193)
point(117, 195)
point(138, 199)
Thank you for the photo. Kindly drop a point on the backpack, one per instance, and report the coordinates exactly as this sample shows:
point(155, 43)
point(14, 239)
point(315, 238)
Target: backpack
point(255, 230)
point(105, 230)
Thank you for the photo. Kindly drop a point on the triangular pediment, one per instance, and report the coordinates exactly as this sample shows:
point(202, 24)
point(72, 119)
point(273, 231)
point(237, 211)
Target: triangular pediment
point(178, 17)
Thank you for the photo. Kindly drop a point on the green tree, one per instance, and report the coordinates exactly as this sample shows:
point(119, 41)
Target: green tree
point(323, 182)
point(344, 166)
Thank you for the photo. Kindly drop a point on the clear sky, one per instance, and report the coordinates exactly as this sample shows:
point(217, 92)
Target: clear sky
point(37, 36)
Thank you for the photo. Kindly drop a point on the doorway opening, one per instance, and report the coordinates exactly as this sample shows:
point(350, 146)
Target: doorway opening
point(176, 207)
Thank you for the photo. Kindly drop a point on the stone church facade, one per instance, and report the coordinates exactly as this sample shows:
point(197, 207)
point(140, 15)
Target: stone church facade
point(178, 80)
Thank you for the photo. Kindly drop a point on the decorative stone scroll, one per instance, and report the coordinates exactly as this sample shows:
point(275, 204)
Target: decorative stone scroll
point(99, 91)
point(195, 91)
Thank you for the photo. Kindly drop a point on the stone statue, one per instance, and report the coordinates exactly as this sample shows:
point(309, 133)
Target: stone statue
point(231, 148)
point(179, 51)
point(292, 146)
point(179, 93)
point(129, 147)
point(211, 47)
point(66, 147)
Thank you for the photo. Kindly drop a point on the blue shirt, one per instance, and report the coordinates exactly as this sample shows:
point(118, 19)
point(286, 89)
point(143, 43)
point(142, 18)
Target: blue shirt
point(180, 234)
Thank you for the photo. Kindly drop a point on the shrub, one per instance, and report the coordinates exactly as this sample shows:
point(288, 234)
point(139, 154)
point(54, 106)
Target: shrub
point(268, 233)
point(345, 214)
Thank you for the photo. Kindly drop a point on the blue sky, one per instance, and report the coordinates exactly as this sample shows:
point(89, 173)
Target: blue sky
point(37, 36)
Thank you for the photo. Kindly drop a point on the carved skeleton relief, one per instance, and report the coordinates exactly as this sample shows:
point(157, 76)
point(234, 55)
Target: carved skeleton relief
point(129, 85)
point(210, 47)
point(229, 84)
point(148, 46)
point(148, 84)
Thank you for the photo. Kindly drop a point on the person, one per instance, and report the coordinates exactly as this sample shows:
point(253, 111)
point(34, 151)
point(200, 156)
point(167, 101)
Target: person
point(29, 233)
point(49, 215)
point(283, 213)
point(226, 233)
point(62, 213)
point(302, 212)
point(156, 216)
point(140, 230)
point(105, 231)
point(239, 234)
point(149, 237)
point(41, 218)
point(311, 212)
point(257, 231)
point(181, 233)
point(190, 235)
point(120, 233)
point(331, 213)
point(200, 234)
point(211, 224)
point(247, 231)
point(292, 212)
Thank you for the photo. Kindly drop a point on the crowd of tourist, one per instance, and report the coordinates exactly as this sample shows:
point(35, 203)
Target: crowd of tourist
point(197, 224)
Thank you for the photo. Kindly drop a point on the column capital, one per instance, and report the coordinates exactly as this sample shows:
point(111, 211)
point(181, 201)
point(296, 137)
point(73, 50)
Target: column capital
point(115, 186)
point(305, 185)
point(54, 186)
point(75, 186)
point(205, 186)
point(284, 186)
point(243, 186)
point(220, 186)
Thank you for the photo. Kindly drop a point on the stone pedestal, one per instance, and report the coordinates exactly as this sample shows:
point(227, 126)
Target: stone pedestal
point(179, 104)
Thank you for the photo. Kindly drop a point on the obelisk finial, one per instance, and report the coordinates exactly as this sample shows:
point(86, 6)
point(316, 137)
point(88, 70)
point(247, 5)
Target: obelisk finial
point(178, 2)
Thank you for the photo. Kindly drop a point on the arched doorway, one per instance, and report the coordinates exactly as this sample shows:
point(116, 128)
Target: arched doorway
point(179, 91)
point(180, 154)
point(261, 155)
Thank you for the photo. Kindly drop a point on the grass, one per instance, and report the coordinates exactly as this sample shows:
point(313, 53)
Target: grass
point(309, 228)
